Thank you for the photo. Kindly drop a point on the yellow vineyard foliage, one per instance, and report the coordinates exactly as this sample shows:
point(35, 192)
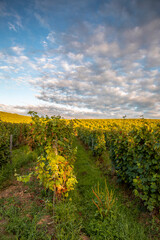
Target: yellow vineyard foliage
point(14, 118)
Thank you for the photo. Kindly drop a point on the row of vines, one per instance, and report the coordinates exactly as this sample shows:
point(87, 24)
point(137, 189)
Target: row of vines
point(134, 147)
point(52, 139)
point(19, 133)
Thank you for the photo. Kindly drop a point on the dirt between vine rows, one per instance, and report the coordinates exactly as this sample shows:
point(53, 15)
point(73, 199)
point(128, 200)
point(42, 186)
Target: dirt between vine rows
point(25, 198)
point(16, 190)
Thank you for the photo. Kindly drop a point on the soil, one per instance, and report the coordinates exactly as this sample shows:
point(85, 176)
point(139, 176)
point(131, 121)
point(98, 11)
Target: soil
point(25, 198)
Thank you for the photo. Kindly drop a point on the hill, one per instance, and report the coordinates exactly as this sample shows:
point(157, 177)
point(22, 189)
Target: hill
point(14, 118)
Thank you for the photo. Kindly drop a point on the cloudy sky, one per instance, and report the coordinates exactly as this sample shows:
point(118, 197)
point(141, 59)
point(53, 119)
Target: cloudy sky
point(80, 58)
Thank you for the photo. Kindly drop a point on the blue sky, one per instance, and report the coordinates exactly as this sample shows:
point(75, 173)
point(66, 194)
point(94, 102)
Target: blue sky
point(80, 59)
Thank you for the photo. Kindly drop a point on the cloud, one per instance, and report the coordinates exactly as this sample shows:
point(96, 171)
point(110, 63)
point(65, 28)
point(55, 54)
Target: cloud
point(51, 110)
point(18, 50)
point(51, 37)
point(75, 57)
point(107, 75)
point(44, 43)
point(15, 21)
point(124, 14)
point(12, 27)
point(98, 81)
point(108, 67)
point(3, 9)
point(41, 20)
point(7, 68)
point(18, 21)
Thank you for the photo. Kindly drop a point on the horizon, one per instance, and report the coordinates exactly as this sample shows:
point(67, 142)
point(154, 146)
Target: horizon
point(84, 59)
point(28, 115)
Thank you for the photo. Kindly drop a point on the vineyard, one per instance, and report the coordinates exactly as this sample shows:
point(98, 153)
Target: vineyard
point(19, 134)
point(133, 147)
point(14, 118)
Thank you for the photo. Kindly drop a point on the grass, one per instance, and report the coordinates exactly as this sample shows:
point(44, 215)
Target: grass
point(22, 223)
point(26, 210)
point(120, 222)
point(95, 209)
point(24, 213)
point(20, 158)
point(68, 223)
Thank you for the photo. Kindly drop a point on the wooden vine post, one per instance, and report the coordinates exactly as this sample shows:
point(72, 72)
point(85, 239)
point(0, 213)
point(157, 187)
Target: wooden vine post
point(54, 193)
point(10, 147)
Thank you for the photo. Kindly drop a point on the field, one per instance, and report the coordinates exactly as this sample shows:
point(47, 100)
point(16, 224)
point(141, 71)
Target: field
point(14, 118)
point(79, 179)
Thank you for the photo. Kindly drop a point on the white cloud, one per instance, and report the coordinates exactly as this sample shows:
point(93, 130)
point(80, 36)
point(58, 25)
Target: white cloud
point(49, 66)
point(16, 23)
point(18, 50)
point(7, 68)
point(92, 69)
point(45, 44)
point(12, 27)
point(75, 57)
point(68, 67)
point(51, 37)
point(4, 67)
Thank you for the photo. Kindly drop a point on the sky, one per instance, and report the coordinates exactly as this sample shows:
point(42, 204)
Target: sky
point(80, 59)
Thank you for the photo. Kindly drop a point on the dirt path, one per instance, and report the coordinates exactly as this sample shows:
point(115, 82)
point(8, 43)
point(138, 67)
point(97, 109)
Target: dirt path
point(23, 213)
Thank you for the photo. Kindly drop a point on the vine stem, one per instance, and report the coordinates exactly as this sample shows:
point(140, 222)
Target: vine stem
point(54, 199)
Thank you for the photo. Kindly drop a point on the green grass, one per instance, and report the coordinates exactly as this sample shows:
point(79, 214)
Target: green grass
point(22, 223)
point(68, 224)
point(120, 223)
point(75, 216)
point(20, 158)
point(24, 213)
point(79, 216)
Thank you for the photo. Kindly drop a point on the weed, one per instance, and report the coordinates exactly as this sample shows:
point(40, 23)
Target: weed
point(104, 200)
